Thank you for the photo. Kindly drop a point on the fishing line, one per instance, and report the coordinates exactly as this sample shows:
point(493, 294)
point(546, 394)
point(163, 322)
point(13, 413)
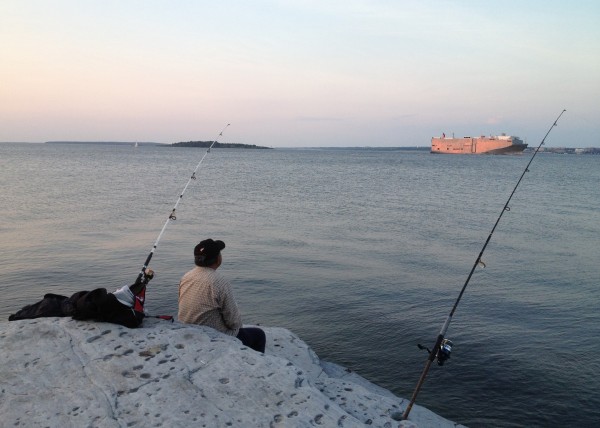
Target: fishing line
point(172, 216)
point(442, 348)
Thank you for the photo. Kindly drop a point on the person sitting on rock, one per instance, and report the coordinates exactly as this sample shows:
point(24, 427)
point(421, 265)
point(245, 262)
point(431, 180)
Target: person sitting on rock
point(206, 297)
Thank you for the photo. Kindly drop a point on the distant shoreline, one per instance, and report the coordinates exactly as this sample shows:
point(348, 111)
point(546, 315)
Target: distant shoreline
point(566, 150)
point(109, 143)
point(206, 144)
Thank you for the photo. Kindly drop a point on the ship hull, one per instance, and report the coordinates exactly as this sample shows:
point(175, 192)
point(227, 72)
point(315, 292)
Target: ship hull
point(481, 145)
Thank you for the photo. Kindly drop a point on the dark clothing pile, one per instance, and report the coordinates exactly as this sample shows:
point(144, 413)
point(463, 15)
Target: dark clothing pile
point(96, 305)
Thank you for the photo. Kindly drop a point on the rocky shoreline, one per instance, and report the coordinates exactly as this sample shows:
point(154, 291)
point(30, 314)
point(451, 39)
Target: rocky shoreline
point(59, 372)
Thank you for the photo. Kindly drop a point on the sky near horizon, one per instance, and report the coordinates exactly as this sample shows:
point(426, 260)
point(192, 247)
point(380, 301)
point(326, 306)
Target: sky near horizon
point(291, 73)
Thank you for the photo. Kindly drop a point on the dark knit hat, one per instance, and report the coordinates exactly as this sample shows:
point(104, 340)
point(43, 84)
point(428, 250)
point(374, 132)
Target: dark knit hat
point(208, 249)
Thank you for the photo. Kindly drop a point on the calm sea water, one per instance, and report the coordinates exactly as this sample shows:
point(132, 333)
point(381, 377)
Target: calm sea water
point(360, 252)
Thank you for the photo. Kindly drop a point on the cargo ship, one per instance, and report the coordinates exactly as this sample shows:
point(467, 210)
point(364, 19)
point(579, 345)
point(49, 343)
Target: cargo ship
point(493, 145)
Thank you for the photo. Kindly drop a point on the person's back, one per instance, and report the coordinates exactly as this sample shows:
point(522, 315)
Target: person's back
point(205, 298)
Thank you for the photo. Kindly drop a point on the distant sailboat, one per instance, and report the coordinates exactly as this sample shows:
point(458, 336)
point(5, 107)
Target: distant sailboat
point(135, 145)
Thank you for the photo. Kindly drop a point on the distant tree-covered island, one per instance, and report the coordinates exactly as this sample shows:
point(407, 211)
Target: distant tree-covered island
point(218, 145)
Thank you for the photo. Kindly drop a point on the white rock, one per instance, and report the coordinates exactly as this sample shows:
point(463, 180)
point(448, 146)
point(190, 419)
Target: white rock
point(57, 372)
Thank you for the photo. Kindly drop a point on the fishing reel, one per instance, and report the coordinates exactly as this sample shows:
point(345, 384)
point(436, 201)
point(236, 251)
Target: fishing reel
point(148, 275)
point(443, 353)
point(142, 280)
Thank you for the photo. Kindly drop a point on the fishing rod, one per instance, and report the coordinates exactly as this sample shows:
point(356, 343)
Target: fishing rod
point(443, 347)
point(172, 216)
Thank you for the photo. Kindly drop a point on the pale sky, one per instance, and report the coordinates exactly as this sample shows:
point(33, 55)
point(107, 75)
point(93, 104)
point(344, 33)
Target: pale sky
point(292, 73)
